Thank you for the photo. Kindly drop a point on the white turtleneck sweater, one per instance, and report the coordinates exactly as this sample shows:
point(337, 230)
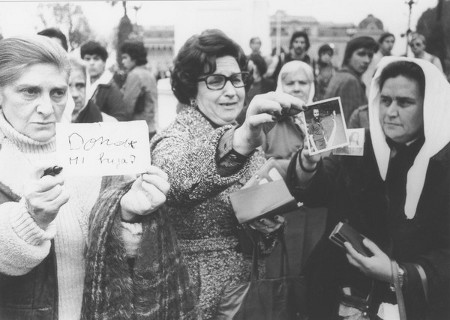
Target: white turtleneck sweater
point(23, 245)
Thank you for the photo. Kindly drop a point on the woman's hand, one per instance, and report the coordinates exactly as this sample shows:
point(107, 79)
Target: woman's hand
point(44, 196)
point(378, 266)
point(308, 160)
point(268, 226)
point(263, 109)
point(146, 195)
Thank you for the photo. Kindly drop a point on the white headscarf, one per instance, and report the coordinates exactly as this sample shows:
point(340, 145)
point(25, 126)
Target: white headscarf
point(296, 66)
point(436, 118)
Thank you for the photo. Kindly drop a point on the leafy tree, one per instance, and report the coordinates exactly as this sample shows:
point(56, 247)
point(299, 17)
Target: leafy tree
point(69, 18)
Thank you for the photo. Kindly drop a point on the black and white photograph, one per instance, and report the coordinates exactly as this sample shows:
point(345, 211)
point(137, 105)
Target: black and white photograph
point(127, 128)
point(325, 126)
point(355, 145)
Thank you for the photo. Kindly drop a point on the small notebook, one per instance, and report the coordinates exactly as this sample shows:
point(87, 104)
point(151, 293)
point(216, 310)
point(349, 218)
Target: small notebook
point(343, 232)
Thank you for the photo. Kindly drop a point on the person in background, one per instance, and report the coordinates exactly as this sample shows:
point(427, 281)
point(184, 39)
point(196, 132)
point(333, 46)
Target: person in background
point(396, 195)
point(418, 45)
point(258, 67)
point(385, 45)
point(56, 35)
point(207, 157)
point(298, 48)
point(347, 83)
point(286, 137)
point(359, 118)
point(323, 70)
point(140, 93)
point(102, 90)
point(86, 110)
point(304, 226)
point(59, 37)
point(48, 221)
point(255, 45)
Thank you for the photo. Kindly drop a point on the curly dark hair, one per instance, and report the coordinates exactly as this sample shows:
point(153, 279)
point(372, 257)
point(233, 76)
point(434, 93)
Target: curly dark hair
point(198, 57)
point(136, 50)
point(94, 47)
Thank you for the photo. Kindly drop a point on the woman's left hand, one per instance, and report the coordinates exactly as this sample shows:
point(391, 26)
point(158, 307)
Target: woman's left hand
point(378, 266)
point(146, 195)
point(268, 226)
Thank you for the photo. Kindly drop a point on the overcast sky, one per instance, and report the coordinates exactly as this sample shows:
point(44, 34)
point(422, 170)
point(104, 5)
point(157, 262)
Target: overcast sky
point(20, 17)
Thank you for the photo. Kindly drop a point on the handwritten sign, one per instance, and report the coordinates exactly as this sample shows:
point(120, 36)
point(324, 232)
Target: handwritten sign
point(103, 148)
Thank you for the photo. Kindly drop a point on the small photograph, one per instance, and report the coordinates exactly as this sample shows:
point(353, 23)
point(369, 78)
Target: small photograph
point(325, 126)
point(355, 143)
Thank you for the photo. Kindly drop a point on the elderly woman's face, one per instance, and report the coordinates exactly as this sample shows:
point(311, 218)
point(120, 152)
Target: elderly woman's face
point(401, 109)
point(77, 86)
point(35, 102)
point(297, 84)
point(224, 105)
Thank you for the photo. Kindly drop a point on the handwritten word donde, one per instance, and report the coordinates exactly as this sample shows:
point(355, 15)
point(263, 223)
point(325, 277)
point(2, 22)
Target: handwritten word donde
point(99, 149)
point(77, 142)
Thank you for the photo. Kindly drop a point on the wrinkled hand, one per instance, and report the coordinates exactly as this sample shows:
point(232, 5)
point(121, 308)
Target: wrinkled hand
point(378, 266)
point(263, 109)
point(44, 196)
point(268, 226)
point(146, 195)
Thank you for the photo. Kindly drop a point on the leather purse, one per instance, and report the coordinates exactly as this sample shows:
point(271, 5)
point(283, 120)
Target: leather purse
point(264, 195)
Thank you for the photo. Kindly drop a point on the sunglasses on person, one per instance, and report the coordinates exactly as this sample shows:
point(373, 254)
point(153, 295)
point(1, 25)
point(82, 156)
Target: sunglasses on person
point(218, 81)
point(416, 44)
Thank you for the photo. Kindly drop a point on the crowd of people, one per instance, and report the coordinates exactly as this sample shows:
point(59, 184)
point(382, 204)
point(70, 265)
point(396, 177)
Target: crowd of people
point(165, 243)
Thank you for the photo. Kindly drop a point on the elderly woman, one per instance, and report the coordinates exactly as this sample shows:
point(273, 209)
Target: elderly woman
point(296, 79)
point(396, 195)
point(207, 158)
point(85, 110)
point(304, 225)
point(46, 219)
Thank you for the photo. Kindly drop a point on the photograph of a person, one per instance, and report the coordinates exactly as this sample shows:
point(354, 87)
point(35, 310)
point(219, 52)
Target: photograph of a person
point(325, 126)
point(355, 143)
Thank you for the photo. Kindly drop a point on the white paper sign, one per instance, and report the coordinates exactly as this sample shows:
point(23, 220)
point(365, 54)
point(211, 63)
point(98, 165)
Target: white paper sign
point(103, 148)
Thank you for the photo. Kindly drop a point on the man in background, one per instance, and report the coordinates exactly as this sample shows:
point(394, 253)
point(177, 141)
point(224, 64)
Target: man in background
point(347, 83)
point(139, 90)
point(103, 90)
point(56, 35)
point(385, 45)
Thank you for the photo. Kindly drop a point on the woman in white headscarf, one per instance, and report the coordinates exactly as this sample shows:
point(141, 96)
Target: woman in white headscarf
point(396, 195)
point(285, 138)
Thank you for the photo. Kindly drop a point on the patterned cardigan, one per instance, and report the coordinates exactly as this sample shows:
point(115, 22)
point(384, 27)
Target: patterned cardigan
point(198, 203)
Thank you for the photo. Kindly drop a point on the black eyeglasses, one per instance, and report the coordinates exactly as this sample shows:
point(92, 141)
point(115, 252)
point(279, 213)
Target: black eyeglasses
point(218, 81)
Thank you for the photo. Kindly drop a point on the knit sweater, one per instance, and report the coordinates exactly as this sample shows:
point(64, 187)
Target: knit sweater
point(23, 243)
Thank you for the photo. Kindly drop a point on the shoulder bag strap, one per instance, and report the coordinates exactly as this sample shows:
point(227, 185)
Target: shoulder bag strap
point(398, 290)
point(423, 278)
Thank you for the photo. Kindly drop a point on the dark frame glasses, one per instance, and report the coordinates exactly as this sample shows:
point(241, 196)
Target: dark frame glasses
point(218, 81)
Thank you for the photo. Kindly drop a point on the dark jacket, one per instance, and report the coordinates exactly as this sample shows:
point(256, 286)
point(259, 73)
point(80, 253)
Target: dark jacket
point(348, 85)
point(355, 192)
point(140, 95)
point(33, 296)
point(110, 101)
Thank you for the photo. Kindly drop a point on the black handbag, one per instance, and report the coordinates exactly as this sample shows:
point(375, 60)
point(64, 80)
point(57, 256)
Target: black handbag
point(283, 298)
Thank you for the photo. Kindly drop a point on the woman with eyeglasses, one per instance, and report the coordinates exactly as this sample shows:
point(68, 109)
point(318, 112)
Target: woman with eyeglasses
point(418, 45)
point(207, 157)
